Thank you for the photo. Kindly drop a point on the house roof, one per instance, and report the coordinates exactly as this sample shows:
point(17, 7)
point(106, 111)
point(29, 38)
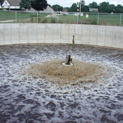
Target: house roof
point(47, 10)
point(5, 4)
point(14, 2)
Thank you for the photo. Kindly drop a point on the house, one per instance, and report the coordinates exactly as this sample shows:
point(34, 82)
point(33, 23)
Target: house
point(5, 4)
point(11, 4)
point(47, 10)
point(15, 5)
point(93, 9)
point(65, 10)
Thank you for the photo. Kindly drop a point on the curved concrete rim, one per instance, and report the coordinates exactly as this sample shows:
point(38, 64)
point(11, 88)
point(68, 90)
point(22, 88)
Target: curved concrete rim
point(109, 36)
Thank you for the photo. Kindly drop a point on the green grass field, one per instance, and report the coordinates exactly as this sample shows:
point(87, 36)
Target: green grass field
point(24, 17)
point(21, 16)
point(105, 19)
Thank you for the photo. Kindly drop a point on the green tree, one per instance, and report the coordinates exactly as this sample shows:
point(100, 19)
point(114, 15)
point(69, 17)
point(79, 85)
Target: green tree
point(57, 7)
point(26, 4)
point(1, 2)
point(73, 8)
point(85, 9)
point(39, 5)
point(104, 7)
point(93, 5)
point(49, 5)
point(119, 9)
point(111, 8)
point(68, 8)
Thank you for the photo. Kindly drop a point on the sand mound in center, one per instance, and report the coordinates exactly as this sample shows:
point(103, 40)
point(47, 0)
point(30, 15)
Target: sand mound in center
point(56, 72)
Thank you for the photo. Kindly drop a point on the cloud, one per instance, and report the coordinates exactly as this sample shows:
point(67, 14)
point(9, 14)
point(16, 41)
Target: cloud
point(116, 2)
point(74, 1)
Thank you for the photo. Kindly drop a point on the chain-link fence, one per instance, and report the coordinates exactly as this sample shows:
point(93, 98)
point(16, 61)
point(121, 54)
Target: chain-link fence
point(66, 17)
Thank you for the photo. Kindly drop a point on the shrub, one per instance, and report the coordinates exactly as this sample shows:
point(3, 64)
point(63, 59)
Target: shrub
point(44, 20)
point(60, 21)
point(94, 22)
point(53, 20)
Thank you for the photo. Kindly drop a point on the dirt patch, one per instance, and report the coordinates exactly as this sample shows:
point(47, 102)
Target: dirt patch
point(56, 72)
point(7, 21)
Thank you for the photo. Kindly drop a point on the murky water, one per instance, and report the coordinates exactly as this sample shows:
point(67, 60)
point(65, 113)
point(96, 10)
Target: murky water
point(32, 100)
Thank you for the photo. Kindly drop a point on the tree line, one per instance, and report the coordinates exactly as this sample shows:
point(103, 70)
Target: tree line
point(104, 7)
point(38, 5)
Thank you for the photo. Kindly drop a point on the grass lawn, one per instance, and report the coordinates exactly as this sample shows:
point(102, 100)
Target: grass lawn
point(24, 17)
point(105, 19)
point(21, 16)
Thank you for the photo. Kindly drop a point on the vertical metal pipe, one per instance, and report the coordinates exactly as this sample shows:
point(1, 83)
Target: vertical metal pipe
point(58, 18)
point(73, 40)
point(16, 16)
point(77, 18)
point(37, 16)
point(98, 19)
point(80, 7)
point(120, 19)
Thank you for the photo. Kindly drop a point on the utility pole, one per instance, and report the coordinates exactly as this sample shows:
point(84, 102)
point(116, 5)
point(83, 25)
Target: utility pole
point(80, 5)
point(82, 2)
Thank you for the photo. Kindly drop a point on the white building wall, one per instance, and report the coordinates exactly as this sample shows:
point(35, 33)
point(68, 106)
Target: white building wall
point(111, 36)
point(5, 4)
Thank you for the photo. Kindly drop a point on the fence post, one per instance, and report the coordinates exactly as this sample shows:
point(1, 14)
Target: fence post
point(58, 18)
point(16, 16)
point(37, 16)
point(98, 19)
point(120, 19)
point(77, 18)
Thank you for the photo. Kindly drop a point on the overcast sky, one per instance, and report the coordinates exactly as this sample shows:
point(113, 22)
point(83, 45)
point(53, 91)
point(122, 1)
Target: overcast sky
point(68, 3)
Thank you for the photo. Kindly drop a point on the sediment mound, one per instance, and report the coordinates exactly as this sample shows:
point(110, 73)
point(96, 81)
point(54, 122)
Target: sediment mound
point(56, 72)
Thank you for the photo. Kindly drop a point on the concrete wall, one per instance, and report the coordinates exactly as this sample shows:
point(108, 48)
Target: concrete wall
point(111, 36)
